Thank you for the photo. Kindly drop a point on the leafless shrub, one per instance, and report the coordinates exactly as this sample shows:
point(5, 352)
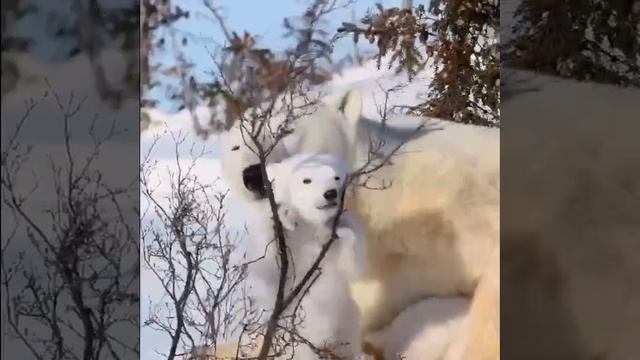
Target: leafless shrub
point(69, 269)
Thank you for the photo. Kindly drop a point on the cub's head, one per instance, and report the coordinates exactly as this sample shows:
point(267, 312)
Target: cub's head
point(240, 162)
point(308, 186)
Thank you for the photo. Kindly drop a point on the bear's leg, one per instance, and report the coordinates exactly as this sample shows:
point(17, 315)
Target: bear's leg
point(484, 317)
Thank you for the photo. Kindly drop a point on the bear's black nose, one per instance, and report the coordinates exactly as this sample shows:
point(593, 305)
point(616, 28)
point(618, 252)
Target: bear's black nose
point(331, 194)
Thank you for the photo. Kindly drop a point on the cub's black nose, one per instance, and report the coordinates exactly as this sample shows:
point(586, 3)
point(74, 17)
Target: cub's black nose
point(330, 194)
point(252, 178)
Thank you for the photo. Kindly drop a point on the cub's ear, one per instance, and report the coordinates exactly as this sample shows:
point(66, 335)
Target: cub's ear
point(349, 103)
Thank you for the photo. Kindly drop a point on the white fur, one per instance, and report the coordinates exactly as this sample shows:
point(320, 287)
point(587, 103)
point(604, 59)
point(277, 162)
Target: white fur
point(331, 128)
point(331, 317)
point(300, 181)
point(429, 330)
point(238, 152)
point(431, 233)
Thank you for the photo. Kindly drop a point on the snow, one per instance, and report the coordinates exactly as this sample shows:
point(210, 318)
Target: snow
point(179, 122)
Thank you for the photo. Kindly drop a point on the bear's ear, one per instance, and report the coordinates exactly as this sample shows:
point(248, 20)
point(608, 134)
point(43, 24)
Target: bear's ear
point(349, 103)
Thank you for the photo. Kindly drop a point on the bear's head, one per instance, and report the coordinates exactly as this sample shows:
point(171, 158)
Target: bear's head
point(308, 187)
point(241, 164)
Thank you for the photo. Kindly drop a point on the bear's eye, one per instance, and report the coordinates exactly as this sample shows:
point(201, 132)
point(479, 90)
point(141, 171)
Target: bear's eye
point(306, 181)
point(237, 147)
point(337, 178)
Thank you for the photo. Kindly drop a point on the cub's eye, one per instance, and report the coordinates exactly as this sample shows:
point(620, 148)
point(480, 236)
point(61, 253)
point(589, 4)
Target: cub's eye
point(337, 178)
point(237, 147)
point(306, 181)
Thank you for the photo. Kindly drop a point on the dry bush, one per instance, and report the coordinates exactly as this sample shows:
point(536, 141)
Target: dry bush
point(69, 265)
point(459, 38)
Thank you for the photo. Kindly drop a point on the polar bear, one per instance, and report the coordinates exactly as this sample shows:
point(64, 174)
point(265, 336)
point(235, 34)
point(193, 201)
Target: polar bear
point(242, 173)
point(308, 189)
point(334, 120)
point(433, 232)
point(297, 182)
point(329, 129)
point(449, 328)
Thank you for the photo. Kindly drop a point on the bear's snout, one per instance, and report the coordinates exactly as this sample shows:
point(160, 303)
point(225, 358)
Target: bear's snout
point(330, 194)
point(252, 178)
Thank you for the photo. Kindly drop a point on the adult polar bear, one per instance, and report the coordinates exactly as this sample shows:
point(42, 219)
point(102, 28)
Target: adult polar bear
point(434, 232)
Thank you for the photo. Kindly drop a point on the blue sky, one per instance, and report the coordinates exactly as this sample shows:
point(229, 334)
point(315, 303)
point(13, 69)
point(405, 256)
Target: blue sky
point(259, 17)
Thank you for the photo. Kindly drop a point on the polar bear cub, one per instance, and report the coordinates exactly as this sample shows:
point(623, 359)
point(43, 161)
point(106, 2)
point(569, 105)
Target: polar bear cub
point(308, 190)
